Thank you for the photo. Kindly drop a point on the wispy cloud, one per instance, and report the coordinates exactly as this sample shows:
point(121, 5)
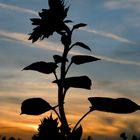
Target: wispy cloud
point(100, 33)
point(23, 38)
point(109, 35)
point(130, 4)
point(16, 8)
point(109, 59)
point(94, 31)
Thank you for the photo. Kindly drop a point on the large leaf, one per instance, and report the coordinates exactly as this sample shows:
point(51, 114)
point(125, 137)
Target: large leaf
point(76, 134)
point(81, 59)
point(42, 67)
point(59, 59)
point(79, 25)
point(118, 105)
point(35, 106)
point(76, 82)
point(81, 44)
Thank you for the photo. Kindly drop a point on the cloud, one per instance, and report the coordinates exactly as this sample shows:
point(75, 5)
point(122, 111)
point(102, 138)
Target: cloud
point(123, 88)
point(109, 35)
point(100, 33)
point(16, 8)
point(23, 38)
point(119, 4)
point(112, 60)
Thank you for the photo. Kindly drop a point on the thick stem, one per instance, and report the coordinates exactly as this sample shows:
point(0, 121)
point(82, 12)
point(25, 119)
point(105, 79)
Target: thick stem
point(81, 120)
point(65, 126)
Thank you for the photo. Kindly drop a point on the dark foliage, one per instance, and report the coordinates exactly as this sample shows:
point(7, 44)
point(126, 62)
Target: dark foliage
point(75, 82)
point(35, 106)
point(53, 20)
point(50, 21)
point(49, 130)
point(42, 67)
point(119, 105)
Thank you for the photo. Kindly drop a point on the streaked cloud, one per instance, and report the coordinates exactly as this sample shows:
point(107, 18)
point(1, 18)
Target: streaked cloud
point(109, 35)
point(112, 60)
point(119, 4)
point(100, 33)
point(23, 38)
point(16, 8)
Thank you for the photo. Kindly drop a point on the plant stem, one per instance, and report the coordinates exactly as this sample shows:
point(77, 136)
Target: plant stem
point(57, 114)
point(68, 68)
point(61, 90)
point(55, 76)
point(81, 120)
point(64, 122)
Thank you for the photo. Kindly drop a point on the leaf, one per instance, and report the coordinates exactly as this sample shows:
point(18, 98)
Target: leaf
point(35, 21)
point(77, 134)
point(35, 106)
point(76, 82)
point(68, 21)
point(59, 59)
point(66, 40)
point(79, 25)
point(82, 45)
point(42, 67)
point(118, 105)
point(81, 59)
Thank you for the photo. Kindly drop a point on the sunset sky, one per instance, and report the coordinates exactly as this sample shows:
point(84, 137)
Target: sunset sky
point(113, 34)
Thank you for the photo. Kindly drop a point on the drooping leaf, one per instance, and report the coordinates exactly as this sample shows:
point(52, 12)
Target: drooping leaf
point(77, 134)
point(76, 82)
point(81, 44)
point(68, 21)
point(81, 59)
point(59, 59)
point(42, 67)
point(35, 106)
point(118, 105)
point(79, 25)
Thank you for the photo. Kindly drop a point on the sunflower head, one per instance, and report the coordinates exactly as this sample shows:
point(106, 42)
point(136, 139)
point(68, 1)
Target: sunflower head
point(51, 20)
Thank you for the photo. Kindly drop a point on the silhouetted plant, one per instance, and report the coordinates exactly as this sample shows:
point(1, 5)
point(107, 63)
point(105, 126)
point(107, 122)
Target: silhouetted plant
point(12, 138)
point(53, 20)
point(48, 129)
point(4, 138)
point(125, 137)
point(134, 137)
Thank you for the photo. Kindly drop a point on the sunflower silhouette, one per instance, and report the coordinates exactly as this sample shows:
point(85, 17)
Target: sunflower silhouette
point(50, 21)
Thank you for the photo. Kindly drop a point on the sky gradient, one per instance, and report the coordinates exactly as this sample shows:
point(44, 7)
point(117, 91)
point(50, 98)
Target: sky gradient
point(113, 34)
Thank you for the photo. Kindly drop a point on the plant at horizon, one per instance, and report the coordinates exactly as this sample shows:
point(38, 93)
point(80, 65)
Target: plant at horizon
point(125, 137)
point(50, 21)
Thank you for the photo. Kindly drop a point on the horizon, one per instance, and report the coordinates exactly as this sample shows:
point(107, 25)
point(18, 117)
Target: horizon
point(112, 32)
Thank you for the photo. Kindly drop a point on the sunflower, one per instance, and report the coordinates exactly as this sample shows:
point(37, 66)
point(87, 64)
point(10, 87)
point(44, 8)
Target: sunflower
point(50, 21)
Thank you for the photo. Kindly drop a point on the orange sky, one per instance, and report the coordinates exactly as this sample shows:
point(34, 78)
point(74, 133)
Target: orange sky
point(97, 124)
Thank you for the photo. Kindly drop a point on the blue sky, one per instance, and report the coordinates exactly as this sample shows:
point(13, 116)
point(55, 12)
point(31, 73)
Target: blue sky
point(113, 35)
